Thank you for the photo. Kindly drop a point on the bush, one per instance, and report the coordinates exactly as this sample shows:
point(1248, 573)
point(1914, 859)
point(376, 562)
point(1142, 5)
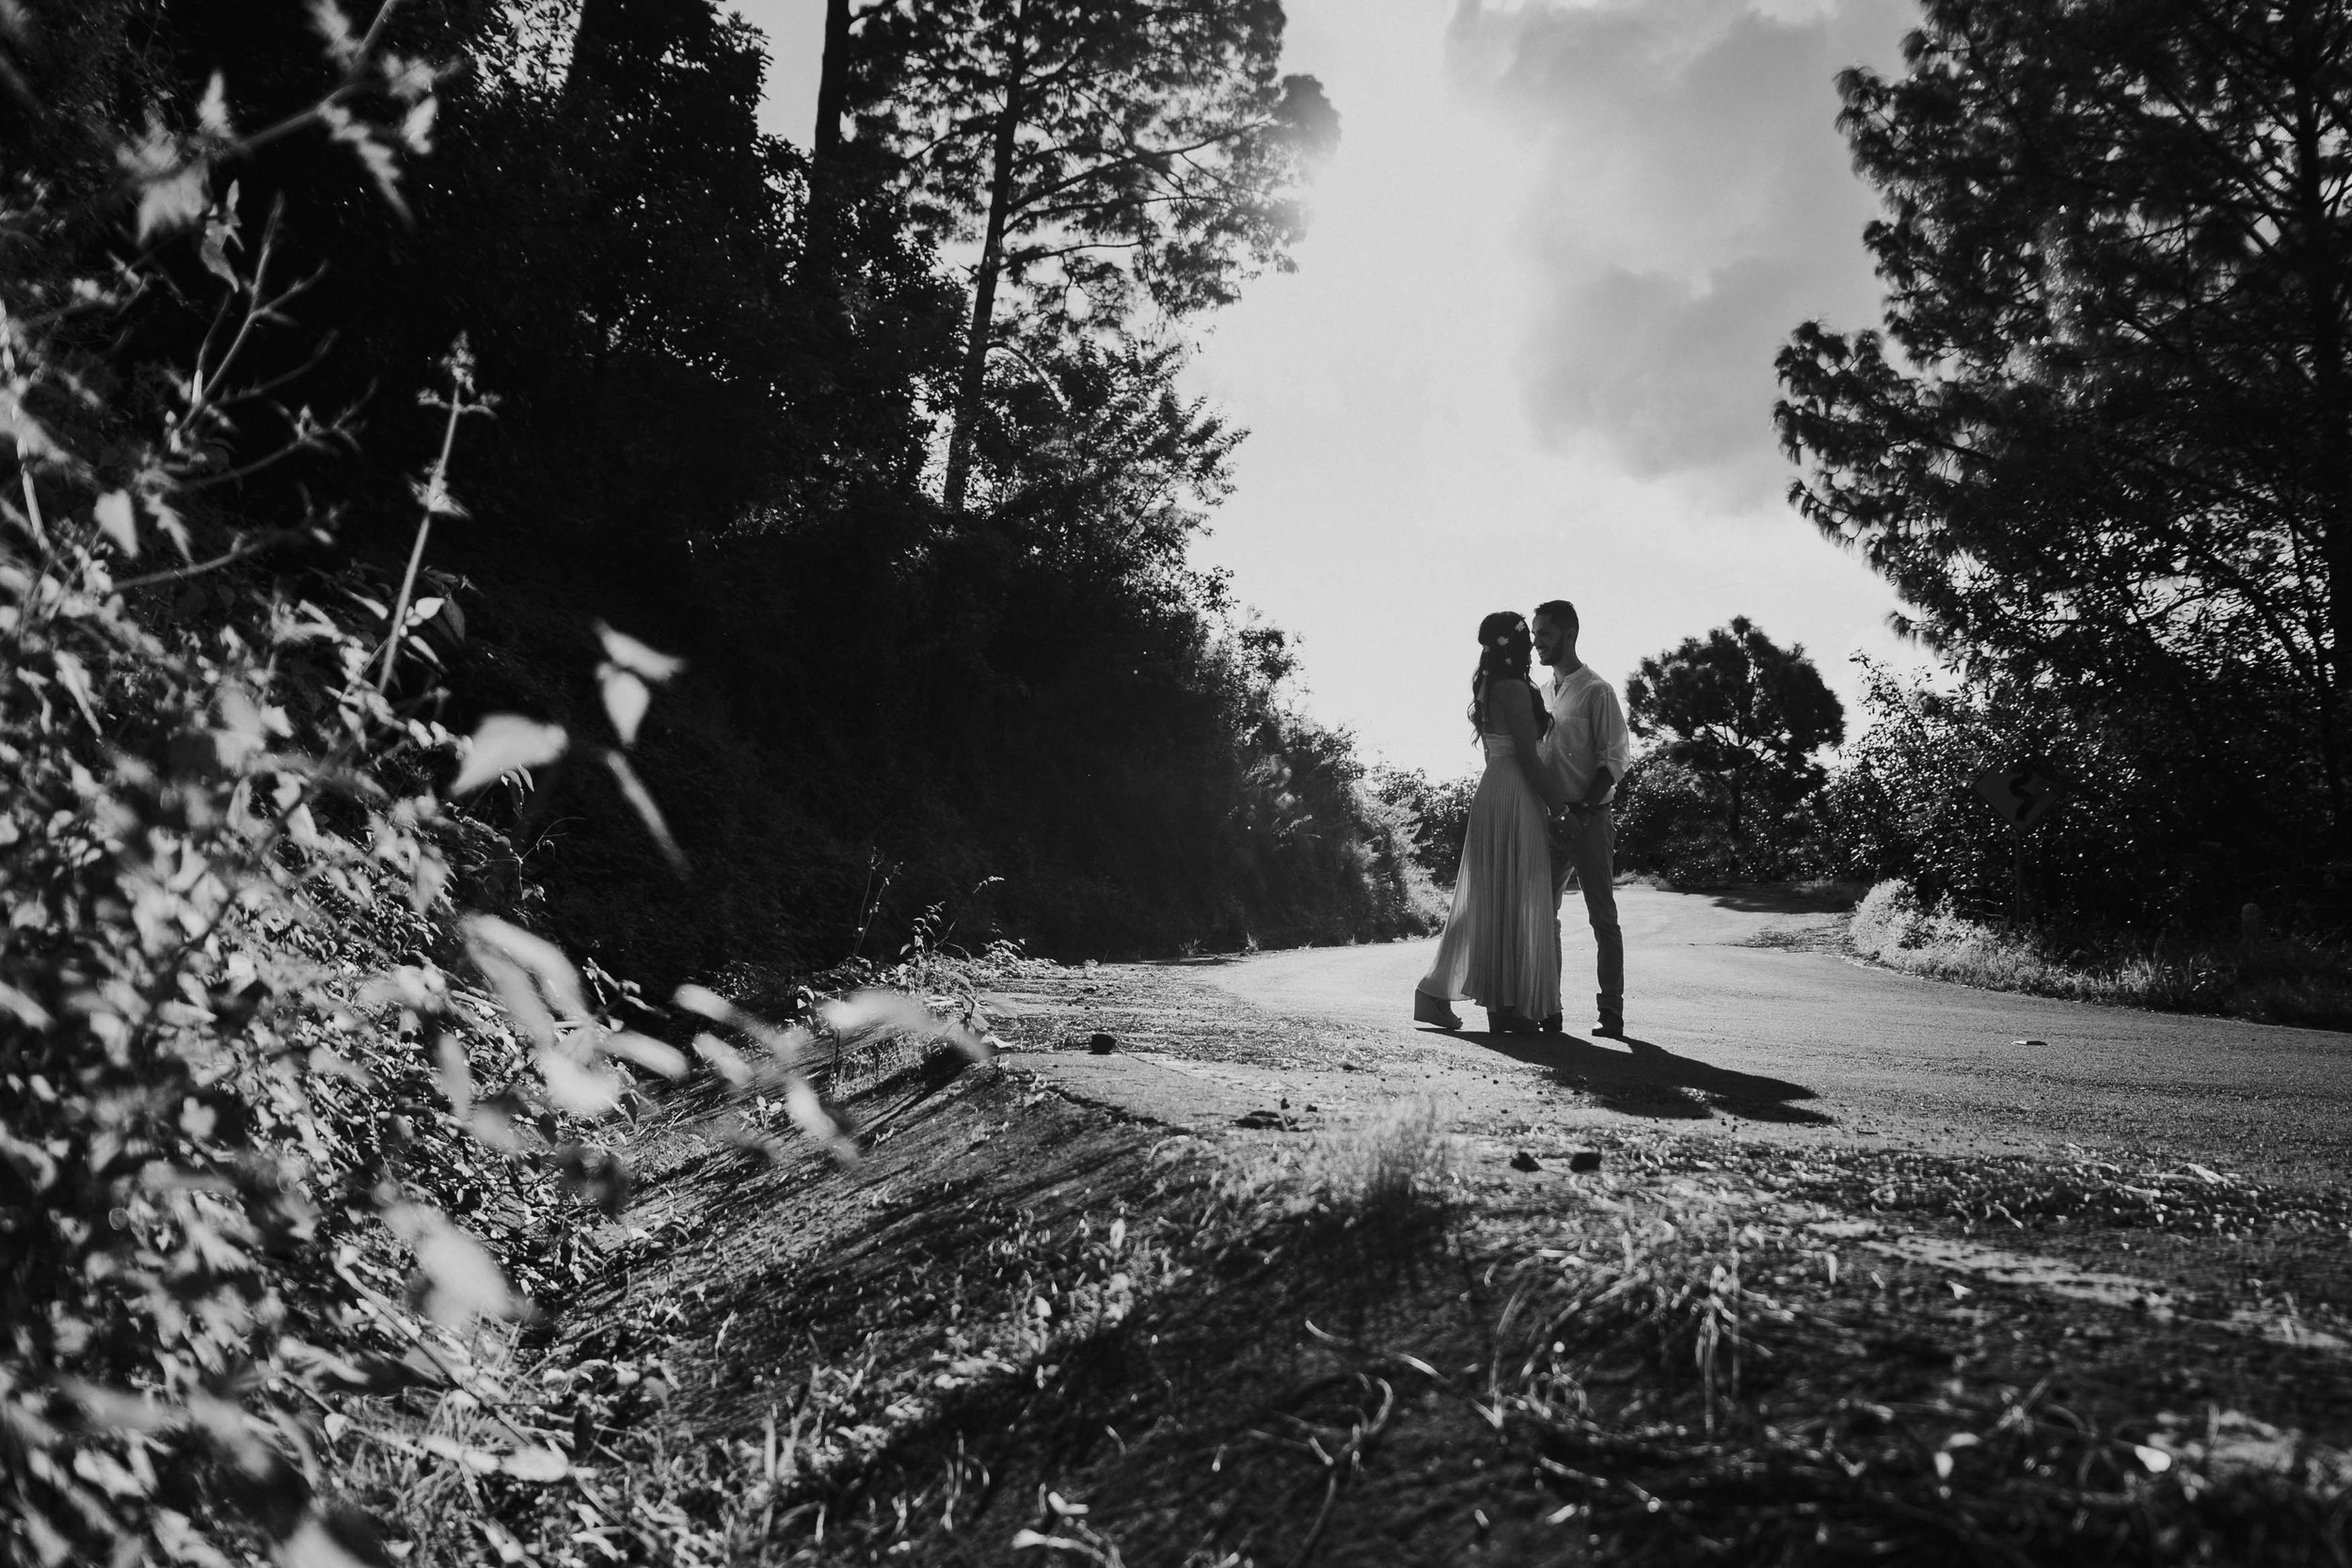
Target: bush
point(281, 1121)
point(1438, 816)
point(244, 1093)
point(2271, 979)
point(2148, 836)
point(1670, 822)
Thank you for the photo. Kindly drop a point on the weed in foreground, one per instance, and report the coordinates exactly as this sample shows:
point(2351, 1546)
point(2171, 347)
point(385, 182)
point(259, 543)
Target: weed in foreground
point(1387, 1177)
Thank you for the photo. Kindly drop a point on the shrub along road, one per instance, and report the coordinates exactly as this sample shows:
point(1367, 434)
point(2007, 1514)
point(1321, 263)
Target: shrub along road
point(1278, 1278)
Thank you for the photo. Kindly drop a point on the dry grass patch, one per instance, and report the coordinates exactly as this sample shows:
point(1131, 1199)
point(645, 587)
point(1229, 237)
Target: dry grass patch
point(2271, 980)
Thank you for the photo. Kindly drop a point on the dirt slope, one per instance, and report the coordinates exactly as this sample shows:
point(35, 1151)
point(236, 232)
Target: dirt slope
point(1134, 1307)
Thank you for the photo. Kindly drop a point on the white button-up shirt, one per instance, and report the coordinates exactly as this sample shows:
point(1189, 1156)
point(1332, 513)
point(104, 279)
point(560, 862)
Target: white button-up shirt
point(1587, 733)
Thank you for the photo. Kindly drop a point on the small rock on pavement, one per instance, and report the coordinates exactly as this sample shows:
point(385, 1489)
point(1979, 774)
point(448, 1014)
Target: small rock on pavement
point(1584, 1160)
point(1103, 1045)
point(1524, 1160)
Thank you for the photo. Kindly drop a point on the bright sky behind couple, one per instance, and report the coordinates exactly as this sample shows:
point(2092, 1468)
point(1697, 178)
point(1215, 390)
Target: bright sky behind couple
point(1528, 348)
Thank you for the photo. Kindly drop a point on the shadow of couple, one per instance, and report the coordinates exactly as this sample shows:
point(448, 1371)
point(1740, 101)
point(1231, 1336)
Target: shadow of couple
point(1647, 1080)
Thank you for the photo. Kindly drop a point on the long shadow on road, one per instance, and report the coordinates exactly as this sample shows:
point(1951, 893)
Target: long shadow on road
point(1645, 1079)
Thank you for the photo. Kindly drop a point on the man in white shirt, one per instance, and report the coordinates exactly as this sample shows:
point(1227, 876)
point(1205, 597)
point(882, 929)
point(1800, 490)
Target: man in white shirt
point(1586, 751)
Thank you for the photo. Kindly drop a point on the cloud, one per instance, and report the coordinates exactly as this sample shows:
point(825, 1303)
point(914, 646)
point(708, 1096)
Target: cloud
point(1695, 204)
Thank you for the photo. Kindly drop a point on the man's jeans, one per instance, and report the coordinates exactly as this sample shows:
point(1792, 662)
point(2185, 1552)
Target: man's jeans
point(1585, 841)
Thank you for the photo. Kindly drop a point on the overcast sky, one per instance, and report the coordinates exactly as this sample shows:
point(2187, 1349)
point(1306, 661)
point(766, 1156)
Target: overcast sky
point(1527, 350)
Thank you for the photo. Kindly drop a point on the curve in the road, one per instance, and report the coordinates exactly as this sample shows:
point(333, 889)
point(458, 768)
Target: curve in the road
point(1724, 1029)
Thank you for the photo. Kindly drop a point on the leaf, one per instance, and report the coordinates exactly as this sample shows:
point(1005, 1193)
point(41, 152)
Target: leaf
point(170, 202)
point(465, 1280)
point(312, 1546)
point(876, 1008)
point(785, 1045)
point(493, 1125)
point(334, 30)
point(430, 879)
point(505, 743)
point(508, 955)
point(724, 1059)
point(212, 113)
point(537, 1464)
point(415, 130)
point(334, 1537)
point(809, 1114)
point(635, 657)
point(119, 522)
point(542, 959)
point(2157, 1459)
point(626, 699)
point(704, 1003)
point(647, 1053)
point(637, 797)
point(34, 1165)
point(577, 1090)
point(168, 521)
point(456, 1074)
point(115, 1410)
point(22, 1007)
point(74, 677)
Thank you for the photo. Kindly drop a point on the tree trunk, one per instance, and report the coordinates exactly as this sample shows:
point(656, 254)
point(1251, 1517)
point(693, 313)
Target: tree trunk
point(974, 381)
point(826, 178)
point(599, 39)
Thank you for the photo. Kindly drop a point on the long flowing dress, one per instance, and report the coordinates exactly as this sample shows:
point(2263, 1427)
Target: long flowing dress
point(1498, 948)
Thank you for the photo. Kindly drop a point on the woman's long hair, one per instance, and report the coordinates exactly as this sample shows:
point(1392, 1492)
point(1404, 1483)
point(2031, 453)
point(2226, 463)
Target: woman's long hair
point(1506, 646)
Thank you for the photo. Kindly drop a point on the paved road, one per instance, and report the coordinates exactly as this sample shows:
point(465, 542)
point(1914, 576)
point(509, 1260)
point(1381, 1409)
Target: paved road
point(1782, 1042)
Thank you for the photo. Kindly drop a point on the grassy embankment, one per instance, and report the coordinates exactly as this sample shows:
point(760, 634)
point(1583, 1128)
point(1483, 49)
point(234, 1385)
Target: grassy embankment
point(2267, 978)
point(1025, 1329)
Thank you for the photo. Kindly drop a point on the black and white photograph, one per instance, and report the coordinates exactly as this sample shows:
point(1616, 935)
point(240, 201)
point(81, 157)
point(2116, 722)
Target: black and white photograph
point(1175, 783)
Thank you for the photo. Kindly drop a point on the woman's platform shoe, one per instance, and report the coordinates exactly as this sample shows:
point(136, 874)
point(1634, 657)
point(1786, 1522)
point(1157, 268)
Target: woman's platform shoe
point(1433, 1009)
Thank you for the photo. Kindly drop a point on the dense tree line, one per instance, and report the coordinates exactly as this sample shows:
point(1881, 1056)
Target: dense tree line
point(2104, 447)
point(916, 520)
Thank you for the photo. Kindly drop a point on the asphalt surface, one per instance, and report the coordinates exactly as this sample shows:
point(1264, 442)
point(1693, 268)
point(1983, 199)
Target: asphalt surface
point(1771, 1041)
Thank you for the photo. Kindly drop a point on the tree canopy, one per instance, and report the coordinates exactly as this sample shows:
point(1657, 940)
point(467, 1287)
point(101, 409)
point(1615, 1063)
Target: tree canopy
point(1104, 155)
point(2105, 442)
point(1736, 706)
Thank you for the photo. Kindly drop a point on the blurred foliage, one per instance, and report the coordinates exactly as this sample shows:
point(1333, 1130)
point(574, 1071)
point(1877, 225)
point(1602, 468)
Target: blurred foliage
point(2101, 448)
point(251, 1079)
point(293, 1098)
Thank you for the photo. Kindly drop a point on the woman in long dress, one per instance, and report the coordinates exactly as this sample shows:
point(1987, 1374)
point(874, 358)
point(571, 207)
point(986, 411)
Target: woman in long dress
point(1498, 948)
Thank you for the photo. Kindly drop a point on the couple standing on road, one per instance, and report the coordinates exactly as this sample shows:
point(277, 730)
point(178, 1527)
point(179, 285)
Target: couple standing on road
point(1542, 812)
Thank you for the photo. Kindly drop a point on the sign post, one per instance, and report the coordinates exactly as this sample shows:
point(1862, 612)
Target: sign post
point(2023, 793)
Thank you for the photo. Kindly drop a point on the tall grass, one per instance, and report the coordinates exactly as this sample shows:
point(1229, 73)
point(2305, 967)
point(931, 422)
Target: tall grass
point(2270, 979)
